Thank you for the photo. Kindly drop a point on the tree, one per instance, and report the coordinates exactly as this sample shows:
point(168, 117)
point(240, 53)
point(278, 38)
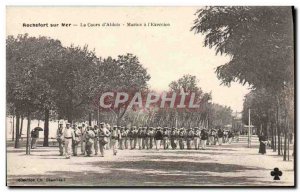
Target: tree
point(259, 42)
point(125, 74)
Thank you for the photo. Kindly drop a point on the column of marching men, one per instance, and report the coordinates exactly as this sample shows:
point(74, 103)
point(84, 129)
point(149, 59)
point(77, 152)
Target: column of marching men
point(91, 140)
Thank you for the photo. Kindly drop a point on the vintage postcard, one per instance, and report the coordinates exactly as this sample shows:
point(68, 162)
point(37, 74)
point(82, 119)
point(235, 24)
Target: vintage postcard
point(150, 96)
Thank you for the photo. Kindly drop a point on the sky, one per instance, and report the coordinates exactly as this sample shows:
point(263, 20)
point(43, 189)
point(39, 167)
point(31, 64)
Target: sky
point(167, 53)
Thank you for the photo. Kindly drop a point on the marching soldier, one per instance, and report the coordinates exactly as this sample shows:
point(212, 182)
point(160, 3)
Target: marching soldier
point(126, 138)
point(151, 137)
point(135, 137)
point(204, 137)
point(76, 140)
point(230, 136)
point(82, 139)
point(103, 134)
point(109, 128)
point(115, 137)
point(89, 139)
point(197, 138)
point(158, 137)
point(190, 138)
point(174, 136)
point(140, 137)
point(130, 137)
point(143, 134)
point(68, 137)
point(96, 139)
point(181, 138)
point(220, 136)
point(165, 138)
point(59, 138)
point(147, 138)
point(122, 139)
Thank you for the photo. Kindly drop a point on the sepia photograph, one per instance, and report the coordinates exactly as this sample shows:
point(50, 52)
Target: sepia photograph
point(141, 96)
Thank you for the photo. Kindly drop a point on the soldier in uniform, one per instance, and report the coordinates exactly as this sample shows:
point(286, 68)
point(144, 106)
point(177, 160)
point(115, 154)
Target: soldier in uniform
point(220, 136)
point(68, 137)
point(143, 134)
point(96, 139)
point(130, 138)
point(147, 138)
point(89, 139)
point(115, 137)
point(82, 139)
point(103, 134)
point(181, 136)
point(60, 139)
point(190, 138)
point(151, 137)
point(158, 137)
point(174, 136)
point(109, 128)
point(204, 137)
point(196, 138)
point(230, 136)
point(165, 137)
point(76, 140)
point(122, 138)
point(139, 137)
point(126, 139)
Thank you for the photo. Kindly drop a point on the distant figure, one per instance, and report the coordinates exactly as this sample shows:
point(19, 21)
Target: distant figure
point(34, 138)
point(60, 138)
point(158, 137)
point(220, 136)
point(230, 137)
point(103, 134)
point(262, 144)
point(204, 137)
point(68, 138)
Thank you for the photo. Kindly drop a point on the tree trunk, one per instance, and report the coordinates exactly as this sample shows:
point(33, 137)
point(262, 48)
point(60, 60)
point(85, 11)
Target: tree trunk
point(272, 134)
point(275, 141)
point(28, 136)
point(46, 129)
point(90, 119)
point(13, 129)
point(21, 129)
point(17, 141)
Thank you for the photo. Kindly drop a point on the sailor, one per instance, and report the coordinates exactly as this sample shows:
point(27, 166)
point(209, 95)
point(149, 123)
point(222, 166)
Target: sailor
point(82, 140)
point(115, 137)
point(190, 138)
point(126, 139)
point(108, 128)
point(89, 140)
point(174, 137)
point(220, 136)
point(140, 137)
point(76, 140)
point(230, 136)
point(182, 137)
point(103, 135)
point(158, 137)
point(147, 138)
point(96, 139)
point(165, 138)
point(68, 137)
point(143, 135)
point(122, 139)
point(151, 134)
point(59, 138)
point(204, 137)
point(130, 137)
point(196, 138)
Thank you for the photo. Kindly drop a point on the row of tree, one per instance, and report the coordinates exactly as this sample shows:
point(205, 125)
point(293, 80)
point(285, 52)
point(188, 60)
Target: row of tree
point(46, 80)
point(260, 43)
